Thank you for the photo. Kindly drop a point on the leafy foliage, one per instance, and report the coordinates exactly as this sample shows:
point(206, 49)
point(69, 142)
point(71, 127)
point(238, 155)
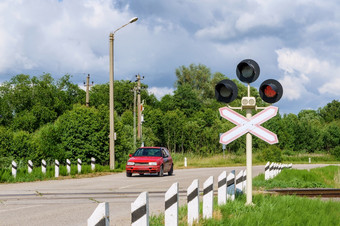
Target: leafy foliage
point(41, 118)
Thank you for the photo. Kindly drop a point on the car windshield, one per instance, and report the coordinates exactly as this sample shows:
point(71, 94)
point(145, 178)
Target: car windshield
point(148, 152)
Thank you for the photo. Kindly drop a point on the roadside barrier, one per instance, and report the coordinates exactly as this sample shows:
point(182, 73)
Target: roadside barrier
point(30, 166)
point(79, 165)
point(222, 188)
point(244, 181)
point(68, 166)
point(208, 197)
point(56, 168)
point(193, 202)
point(231, 186)
point(273, 169)
point(266, 171)
point(14, 169)
point(93, 164)
point(140, 207)
point(239, 182)
point(171, 205)
point(43, 166)
point(140, 210)
point(101, 215)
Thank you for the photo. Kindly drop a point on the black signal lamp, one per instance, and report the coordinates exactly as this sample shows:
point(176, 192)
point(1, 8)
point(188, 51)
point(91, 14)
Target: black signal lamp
point(271, 91)
point(226, 91)
point(247, 71)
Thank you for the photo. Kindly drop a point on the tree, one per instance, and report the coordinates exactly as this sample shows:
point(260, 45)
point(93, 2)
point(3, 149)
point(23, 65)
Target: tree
point(331, 111)
point(186, 100)
point(198, 77)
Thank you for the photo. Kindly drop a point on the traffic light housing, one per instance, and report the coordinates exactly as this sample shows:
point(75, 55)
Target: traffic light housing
point(271, 91)
point(226, 91)
point(247, 71)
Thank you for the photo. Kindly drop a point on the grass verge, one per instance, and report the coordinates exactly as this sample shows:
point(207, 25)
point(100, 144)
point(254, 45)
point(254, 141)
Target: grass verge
point(37, 175)
point(325, 177)
point(197, 161)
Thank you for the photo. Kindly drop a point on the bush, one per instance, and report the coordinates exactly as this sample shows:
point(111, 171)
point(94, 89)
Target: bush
point(272, 154)
point(336, 152)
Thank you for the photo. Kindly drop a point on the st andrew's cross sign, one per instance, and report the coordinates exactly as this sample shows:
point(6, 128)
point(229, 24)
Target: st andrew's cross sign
point(245, 125)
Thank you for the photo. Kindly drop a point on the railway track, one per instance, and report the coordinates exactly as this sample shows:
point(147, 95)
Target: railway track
point(315, 192)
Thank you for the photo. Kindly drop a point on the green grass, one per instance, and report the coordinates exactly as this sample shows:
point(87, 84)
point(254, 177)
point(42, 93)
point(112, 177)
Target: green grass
point(36, 175)
point(268, 210)
point(218, 160)
point(325, 177)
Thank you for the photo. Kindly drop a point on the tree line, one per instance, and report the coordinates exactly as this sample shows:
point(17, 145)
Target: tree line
point(41, 118)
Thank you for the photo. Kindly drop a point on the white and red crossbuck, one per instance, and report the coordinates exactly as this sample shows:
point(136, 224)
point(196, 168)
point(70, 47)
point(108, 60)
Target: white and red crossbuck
point(245, 125)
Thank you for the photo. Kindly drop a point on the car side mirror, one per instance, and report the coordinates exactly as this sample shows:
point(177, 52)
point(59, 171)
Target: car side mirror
point(130, 155)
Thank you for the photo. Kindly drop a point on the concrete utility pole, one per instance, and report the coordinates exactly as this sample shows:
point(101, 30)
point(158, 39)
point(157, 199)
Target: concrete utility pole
point(87, 85)
point(112, 130)
point(134, 117)
point(139, 113)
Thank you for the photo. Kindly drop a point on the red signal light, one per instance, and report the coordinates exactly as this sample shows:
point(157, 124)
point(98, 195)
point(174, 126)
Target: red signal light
point(269, 92)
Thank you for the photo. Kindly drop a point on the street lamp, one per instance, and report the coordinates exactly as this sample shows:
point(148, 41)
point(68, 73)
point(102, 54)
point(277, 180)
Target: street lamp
point(112, 130)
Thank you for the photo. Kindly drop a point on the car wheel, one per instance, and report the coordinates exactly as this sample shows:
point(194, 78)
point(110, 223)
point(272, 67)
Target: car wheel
point(171, 170)
point(128, 174)
point(161, 172)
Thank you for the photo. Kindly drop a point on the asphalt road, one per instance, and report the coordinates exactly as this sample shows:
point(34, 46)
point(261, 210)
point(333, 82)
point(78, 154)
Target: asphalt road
point(72, 201)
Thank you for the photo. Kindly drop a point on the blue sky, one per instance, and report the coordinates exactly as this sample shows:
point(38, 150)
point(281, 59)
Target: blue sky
point(294, 41)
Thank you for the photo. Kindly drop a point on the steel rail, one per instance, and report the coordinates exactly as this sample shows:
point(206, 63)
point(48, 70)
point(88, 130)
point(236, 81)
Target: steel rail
point(310, 192)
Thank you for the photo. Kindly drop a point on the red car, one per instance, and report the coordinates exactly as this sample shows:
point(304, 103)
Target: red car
point(150, 160)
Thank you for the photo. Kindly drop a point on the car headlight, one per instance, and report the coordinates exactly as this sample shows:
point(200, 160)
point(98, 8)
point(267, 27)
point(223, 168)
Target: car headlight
point(152, 163)
point(130, 163)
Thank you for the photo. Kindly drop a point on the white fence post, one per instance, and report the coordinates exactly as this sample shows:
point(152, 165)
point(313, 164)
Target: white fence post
point(79, 165)
point(93, 164)
point(193, 202)
point(244, 181)
point(68, 166)
point(208, 197)
point(140, 210)
point(14, 169)
point(271, 171)
point(56, 168)
point(30, 166)
point(222, 188)
point(185, 162)
point(171, 205)
point(239, 184)
point(231, 186)
point(100, 216)
point(266, 171)
point(43, 166)
point(280, 168)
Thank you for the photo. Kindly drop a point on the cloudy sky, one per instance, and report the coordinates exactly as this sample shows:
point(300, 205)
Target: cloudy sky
point(294, 41)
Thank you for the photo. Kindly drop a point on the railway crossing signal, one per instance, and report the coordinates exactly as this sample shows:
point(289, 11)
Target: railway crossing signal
point(226, 91)
point(270, 91)
point(245, 125)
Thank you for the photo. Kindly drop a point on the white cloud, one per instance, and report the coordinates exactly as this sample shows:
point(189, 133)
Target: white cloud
point(159, 92)
point(331, 87)
point(305, 74)
point(295, 40)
